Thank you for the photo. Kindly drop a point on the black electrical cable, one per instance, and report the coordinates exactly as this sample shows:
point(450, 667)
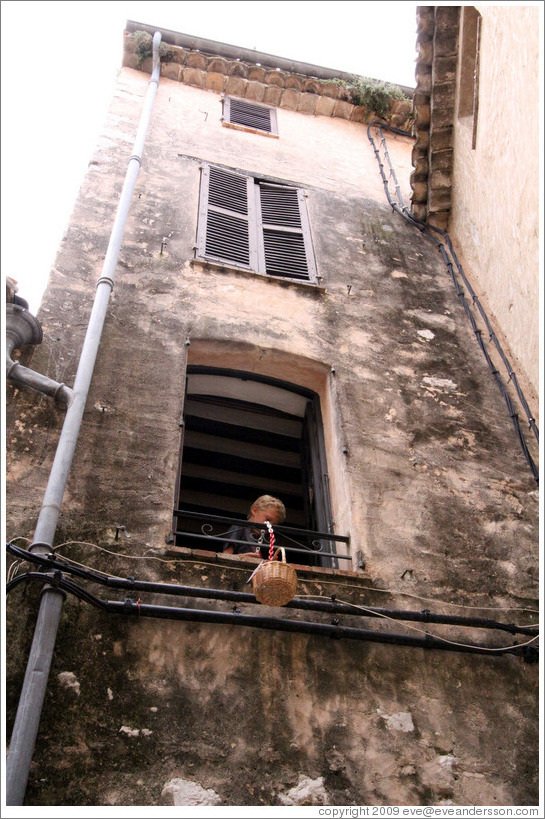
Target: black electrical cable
point(59, 583)
point(331, 607)
point(493, 337)
point(138, 609)
point(426, 229)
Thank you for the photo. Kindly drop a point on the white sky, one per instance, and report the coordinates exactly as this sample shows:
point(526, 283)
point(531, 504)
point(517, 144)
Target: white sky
point(59, 66)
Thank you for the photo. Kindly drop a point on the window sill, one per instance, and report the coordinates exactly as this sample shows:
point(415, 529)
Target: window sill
point(221, 267)
point(248, 130)
point(249, 562)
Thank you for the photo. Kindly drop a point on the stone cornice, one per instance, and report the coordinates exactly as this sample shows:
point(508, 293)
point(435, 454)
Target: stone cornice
point(434, 96)
point(251, 79)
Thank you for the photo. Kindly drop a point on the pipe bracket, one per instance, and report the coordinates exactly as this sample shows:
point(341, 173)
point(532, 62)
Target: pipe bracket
point(51, 587)
point(106, 280)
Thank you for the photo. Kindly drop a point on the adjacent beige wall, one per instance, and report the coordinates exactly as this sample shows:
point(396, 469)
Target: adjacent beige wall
point(495, 213)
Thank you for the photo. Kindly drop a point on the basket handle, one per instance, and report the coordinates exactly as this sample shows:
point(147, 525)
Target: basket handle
point(280, 549)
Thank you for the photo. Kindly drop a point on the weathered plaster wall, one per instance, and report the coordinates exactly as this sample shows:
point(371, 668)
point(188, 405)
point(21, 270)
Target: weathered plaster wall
point(495, 203)
point(146, 712)
point(427, 478)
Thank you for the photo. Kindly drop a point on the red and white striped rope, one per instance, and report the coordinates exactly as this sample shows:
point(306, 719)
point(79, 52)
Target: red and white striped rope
point(271, 538)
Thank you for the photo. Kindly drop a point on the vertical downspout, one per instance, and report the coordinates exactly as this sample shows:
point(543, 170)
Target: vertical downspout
point(25, 729)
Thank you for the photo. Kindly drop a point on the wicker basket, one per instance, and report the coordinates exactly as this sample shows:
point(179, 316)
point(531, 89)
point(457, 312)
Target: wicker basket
point(274, 581)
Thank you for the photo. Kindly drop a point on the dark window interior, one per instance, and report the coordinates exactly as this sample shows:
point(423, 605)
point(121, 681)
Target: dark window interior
point(245, 436)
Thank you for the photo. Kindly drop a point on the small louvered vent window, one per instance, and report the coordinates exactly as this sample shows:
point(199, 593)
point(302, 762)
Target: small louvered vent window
point(249, 116)
point(258, 225)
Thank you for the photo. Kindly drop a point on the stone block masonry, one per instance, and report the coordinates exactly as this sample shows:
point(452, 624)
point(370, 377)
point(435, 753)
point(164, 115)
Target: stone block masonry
point(307, 95)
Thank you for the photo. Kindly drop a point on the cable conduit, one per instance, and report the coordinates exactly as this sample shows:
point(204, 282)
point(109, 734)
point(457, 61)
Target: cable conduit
point(445, 235)
point(133, 608)
point(51, 562)
point(426, 229)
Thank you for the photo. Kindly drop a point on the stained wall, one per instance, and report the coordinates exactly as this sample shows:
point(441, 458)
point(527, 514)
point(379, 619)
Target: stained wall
point(427, 480)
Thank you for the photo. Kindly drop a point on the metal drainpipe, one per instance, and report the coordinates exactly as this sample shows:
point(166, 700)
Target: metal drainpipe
point(25, 729)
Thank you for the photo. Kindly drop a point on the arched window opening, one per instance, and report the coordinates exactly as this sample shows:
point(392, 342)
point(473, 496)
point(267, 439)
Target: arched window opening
point(246, 435)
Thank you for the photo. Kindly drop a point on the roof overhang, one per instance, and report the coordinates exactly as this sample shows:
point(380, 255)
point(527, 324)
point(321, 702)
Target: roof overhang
point(232, 52)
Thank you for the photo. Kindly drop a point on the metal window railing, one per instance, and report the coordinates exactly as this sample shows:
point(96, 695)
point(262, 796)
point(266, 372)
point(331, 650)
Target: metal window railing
point(213, 529)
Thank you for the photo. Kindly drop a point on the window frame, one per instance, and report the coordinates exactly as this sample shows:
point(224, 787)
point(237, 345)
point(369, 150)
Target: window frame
point(314, 489)
point(297, 252)
point(229, 115)
point(468, 90)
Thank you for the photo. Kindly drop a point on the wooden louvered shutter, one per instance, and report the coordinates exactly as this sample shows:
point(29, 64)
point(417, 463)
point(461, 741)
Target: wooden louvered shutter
point(249, 115)
point(286, 248)
point(227, 221)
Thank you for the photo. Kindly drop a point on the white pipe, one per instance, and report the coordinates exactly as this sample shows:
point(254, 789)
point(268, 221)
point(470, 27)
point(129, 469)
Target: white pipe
point(32, 694)
point(49, 513)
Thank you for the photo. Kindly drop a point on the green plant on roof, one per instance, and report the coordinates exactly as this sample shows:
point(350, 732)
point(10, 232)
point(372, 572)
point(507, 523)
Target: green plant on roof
point(373, 95)
point(143, 42)
point(144, 48)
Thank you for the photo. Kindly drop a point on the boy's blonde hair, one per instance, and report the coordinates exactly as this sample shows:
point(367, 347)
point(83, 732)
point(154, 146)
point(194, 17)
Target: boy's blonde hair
point(267, 501)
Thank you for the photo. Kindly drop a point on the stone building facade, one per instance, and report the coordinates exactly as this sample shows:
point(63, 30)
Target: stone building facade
point(344, 378)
